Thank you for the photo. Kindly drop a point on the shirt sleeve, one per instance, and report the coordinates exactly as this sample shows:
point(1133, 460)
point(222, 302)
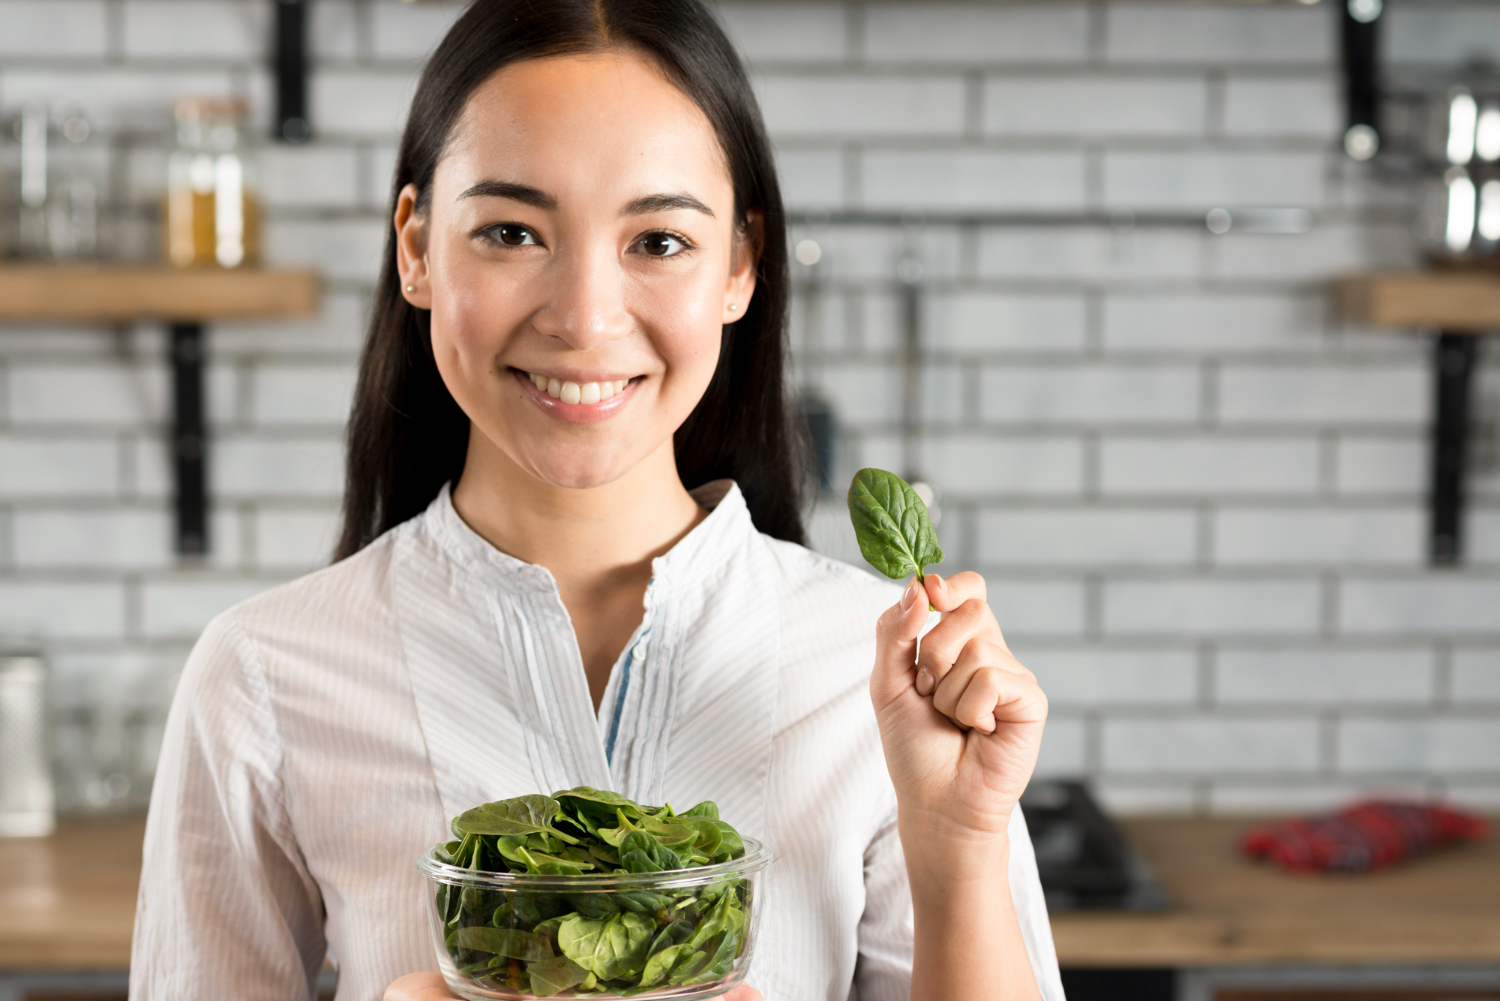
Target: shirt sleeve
point(883, 972)
point(227, 908)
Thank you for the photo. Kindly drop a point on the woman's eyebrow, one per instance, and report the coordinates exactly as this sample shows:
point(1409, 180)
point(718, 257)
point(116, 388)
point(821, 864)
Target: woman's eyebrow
point(661, 203)
point(523, 193)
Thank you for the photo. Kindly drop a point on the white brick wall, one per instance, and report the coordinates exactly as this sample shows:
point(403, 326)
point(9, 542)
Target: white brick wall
point(1197, 496)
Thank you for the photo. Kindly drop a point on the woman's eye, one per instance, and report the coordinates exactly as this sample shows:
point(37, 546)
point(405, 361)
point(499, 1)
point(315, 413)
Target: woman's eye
point(512, 235)
point(661, 245)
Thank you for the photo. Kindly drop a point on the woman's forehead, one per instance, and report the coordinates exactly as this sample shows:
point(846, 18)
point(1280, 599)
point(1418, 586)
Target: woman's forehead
point(590, 123)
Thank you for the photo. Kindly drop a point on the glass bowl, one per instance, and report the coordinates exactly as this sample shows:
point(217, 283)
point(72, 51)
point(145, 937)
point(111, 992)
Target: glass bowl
point(683, 933)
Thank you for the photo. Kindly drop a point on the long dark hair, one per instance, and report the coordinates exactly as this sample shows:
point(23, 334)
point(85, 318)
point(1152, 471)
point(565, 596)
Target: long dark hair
point(407, 436)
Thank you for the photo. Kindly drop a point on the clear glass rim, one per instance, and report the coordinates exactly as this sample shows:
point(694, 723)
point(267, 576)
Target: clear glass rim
point(756, 858)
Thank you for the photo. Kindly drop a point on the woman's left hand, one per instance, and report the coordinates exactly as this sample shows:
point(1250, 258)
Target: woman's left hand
point(961, 724)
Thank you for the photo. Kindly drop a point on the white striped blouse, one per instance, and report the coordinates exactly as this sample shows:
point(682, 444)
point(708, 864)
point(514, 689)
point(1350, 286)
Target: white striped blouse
point(324, 732)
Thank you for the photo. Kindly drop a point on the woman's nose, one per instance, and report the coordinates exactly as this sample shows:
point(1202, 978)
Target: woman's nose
point(586, 307)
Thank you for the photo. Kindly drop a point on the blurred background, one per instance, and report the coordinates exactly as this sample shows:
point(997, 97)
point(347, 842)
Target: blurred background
point(1074, 266)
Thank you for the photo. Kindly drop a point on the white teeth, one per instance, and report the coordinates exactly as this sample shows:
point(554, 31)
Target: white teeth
point(587, 393)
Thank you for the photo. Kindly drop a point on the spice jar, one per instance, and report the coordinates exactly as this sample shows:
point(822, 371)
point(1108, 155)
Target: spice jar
point(212, 213)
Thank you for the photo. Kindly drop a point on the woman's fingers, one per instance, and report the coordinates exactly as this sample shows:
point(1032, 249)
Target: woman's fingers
point(743, 992)
point(947, 593)
point(896, 645)
point(420, 987)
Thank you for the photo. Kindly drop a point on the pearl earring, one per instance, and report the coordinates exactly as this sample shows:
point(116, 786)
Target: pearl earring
point(733, 306)
point(411, 288)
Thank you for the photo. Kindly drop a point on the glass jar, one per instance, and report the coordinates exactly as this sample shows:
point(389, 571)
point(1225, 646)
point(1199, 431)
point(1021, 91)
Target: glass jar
point(61, 181)
point(212, 213)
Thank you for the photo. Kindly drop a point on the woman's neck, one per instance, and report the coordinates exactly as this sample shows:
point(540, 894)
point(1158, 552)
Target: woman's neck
point(597, 542)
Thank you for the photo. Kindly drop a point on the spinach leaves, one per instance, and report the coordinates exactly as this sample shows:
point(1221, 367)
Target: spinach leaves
point(618, 941)
point(891, 523)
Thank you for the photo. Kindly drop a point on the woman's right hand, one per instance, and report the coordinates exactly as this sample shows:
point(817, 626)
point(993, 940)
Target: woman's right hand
point(430, 987)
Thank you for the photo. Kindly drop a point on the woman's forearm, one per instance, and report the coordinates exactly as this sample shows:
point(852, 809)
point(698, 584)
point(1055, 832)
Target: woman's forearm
point(968, 939)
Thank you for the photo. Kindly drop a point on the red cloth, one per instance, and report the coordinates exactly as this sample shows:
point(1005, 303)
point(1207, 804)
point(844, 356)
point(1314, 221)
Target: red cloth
point(1364, 836)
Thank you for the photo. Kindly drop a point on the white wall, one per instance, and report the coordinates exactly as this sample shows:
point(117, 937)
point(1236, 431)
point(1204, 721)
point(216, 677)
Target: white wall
point(1197, 496)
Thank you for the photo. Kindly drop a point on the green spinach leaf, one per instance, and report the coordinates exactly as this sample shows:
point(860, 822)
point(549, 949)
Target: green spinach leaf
point(891, 524)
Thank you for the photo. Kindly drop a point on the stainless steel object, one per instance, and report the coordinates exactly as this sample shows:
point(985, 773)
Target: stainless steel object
point(26, 795)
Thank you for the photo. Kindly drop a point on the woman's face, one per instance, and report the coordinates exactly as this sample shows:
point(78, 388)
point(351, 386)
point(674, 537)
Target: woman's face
point(579, 256)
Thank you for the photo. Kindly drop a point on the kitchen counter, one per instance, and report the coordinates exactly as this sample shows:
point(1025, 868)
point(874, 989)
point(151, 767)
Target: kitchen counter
point(67, 902)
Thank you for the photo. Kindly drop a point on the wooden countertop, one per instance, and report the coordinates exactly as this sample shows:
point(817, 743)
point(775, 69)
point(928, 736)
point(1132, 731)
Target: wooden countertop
point(67, 902)
point(123, 293)
point(1231, 911)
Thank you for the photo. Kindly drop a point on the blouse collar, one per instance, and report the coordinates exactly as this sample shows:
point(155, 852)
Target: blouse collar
point(695, 556)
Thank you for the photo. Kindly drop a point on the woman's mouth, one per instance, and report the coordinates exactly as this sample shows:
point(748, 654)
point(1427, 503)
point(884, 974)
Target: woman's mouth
point(587, 393)
point(582, 402)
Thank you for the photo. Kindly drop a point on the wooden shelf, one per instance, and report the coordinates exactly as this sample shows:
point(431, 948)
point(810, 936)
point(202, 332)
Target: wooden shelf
point(120, 294)
point(1455, 302)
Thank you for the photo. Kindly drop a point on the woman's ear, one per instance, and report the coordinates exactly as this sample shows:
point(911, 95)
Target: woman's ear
point(411, 249)
point(748, 241)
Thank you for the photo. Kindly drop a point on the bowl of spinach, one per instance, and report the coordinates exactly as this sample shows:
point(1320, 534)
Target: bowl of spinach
point(585, 893)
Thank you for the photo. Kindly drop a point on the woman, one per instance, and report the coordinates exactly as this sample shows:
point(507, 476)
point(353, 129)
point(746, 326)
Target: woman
point(571, 555)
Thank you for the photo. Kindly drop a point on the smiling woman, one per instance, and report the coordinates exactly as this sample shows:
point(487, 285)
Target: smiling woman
point(572, 557)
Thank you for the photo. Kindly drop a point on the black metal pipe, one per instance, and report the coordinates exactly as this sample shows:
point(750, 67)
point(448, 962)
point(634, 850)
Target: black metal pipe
point(291, 71)
point(1360, 20)
point(1453, 367)
point(188, 439)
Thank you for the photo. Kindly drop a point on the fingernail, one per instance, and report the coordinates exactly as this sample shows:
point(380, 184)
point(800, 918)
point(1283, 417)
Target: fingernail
point(942, 584)
point(909, 595)
point(925, 684)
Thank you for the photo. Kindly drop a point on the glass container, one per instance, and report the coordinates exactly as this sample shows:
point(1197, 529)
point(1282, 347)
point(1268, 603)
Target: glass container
point(26, 802)
point(61, 182)
point(212, 210)
point(681, 934)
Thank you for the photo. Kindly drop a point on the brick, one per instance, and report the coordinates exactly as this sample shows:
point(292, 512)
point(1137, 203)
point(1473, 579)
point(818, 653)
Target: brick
point(1018, 467)
point(1386, 465)
point(92, 539)
point(973, 179)
point(1093, 393)
point(1212, 745)
point(1212, 323)
point(381, 175)
point(410, 31)
point(1347, 394)
point(864, 252)
point(112, 393)
point(1094, 106)
point(1449, 35)
point(1126, 796)
point(1036, 607)
point(1323, 676)
point(363, 103)
point(1005, 321)
point(116, 97)
point(1210, 34)
point(1041, 33)
point(331, 30)
point(1426, 605)
point(1208, 466)
point(40, 28)
point(263, 466)
point(1326, 252)
point(1207, 606)
point(866, 393)
point(314, 175)
point(58, 467)
point(302, 394)
point(846, 105)
point(1476, 676)
point(811, 178)
point(819, 325)
point(338, 326)
point(1101, 678)
point(1087, 537)
point(1063, 752)
point(1482, 536)
point(1420, 745)
point(340, 248)
point(62, 610)
point(1238, 796)
point(801, 32)
point(179, 607)
point(192, 29)
point(296, 539)
point(1081, 254)
point(1320, 536)
point(1282, 107)
point(1203, 180)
